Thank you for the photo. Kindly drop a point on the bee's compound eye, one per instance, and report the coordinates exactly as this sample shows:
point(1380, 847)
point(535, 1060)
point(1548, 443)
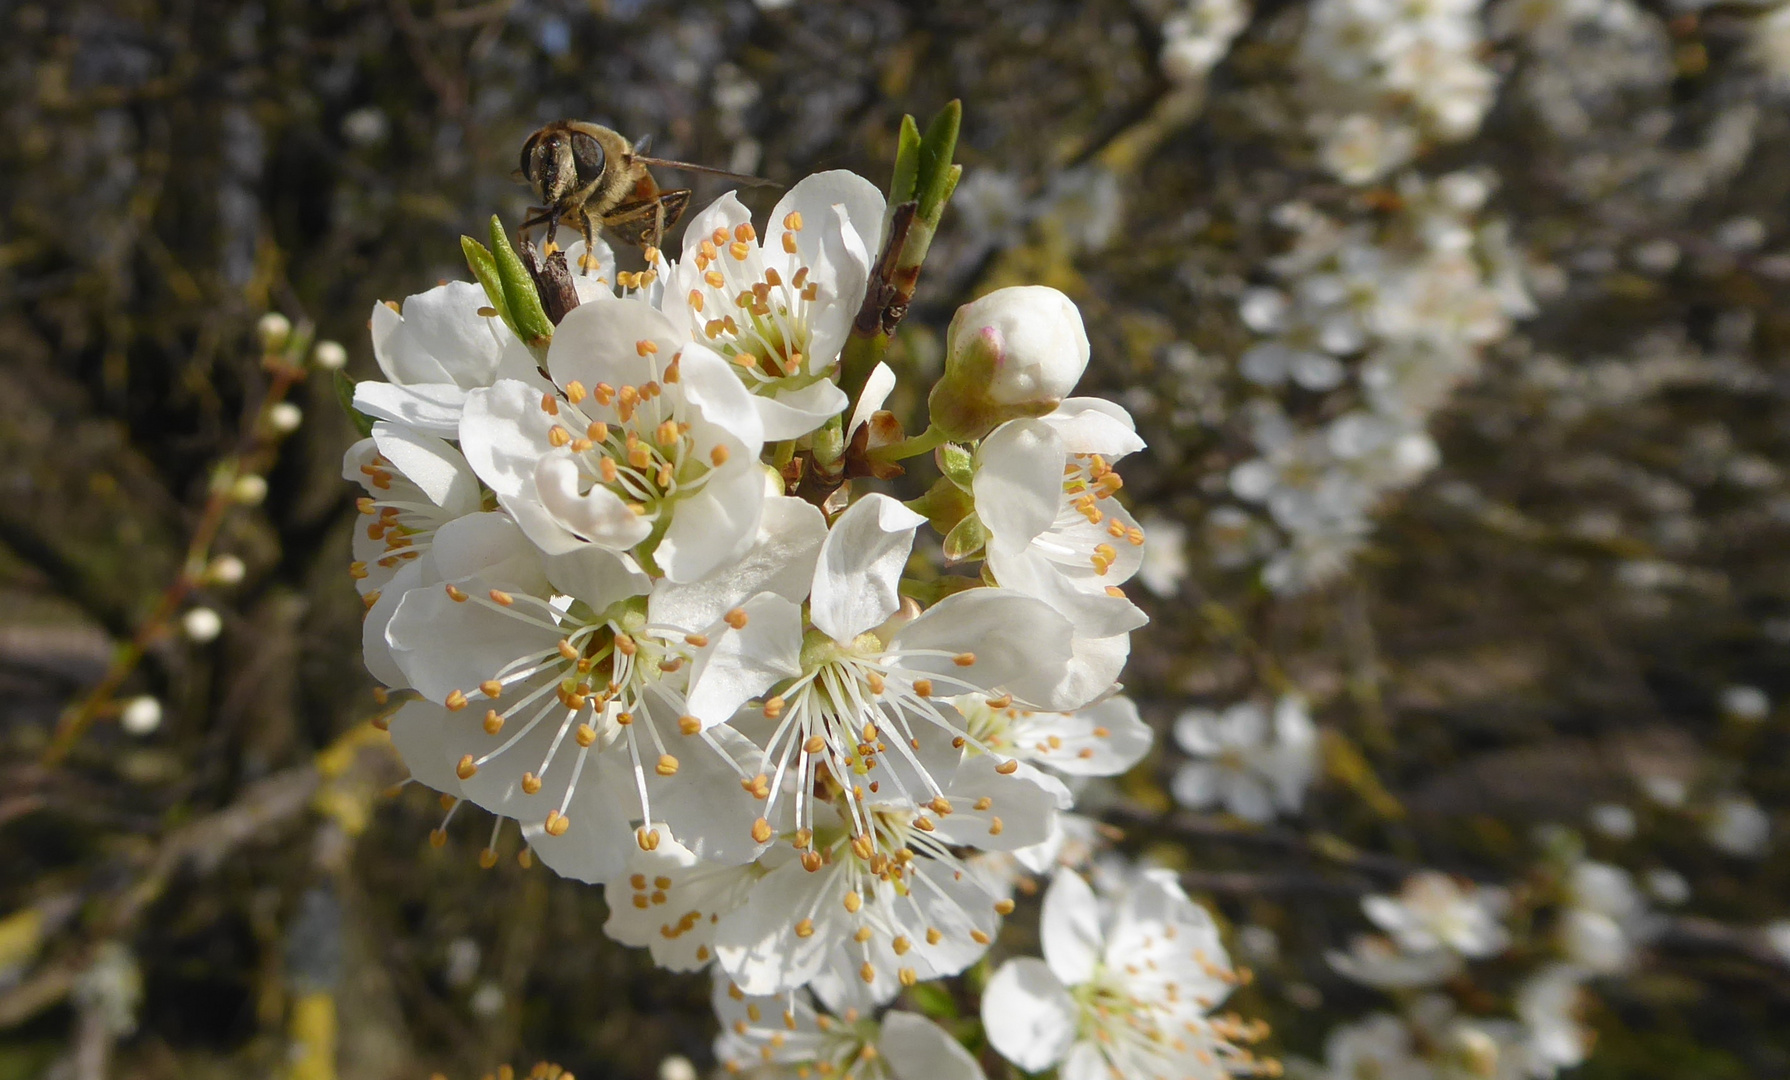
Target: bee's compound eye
point(528, 157)
point(588, 153)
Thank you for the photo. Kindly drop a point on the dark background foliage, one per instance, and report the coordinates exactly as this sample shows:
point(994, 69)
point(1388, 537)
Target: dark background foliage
point(170, 171)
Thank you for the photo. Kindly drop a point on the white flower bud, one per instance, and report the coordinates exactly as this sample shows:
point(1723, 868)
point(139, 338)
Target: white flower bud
point(273, 330)
point(225, 570)
point(677, 1067)
point(1014, 353)
point(140, 715)
point(202, 624)
point(329, 356)
point(285, 417)
point(249, 489)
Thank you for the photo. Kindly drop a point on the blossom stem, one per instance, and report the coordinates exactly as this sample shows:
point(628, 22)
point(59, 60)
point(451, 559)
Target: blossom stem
point(924, 443)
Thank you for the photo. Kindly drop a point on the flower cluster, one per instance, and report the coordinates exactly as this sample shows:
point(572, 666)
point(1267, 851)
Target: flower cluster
point(641, 600)
point(1583, 920)
point(1384, 76)
point(1385, 319)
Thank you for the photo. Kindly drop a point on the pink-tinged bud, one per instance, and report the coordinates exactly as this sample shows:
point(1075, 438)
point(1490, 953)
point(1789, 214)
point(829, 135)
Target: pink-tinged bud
point(1014, 353)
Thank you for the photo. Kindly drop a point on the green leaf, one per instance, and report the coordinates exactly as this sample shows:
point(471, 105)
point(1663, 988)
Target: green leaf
point(531, 322)
point(345, 394)
point(934, 183)
point(484, 268)
point(907, 162)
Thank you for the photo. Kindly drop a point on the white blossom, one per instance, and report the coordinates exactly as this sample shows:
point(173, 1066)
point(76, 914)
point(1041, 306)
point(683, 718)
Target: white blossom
point(1252, 764)
point(1124, 992)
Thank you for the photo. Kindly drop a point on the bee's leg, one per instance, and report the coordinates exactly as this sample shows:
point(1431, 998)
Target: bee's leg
point(537, 215)
point(588, 260)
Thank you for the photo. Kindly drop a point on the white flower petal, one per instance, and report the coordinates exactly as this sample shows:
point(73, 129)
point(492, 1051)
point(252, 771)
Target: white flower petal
point(490, 546)
point(1010, 640)
point(713, 528)
point(738, 665)
point(444, 645)
point(597, 514)
point(1069, 928)
point(757, 943)
point(433, 408)
point(416, 733)
point(1104, 739)
point(918, 1049)
point(860, 567)
point(1029, 1016)
point(790, 414)
point(1091, 425)
point(1019, 482)
point(597, 576)
point(876, 391)
point(780, 561)
point(503, 434)
point(431, 464)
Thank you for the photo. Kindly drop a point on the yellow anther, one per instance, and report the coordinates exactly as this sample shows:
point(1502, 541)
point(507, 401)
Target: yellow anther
point(549, 405)
point(557, 823)
point(736, 618)
point(575, 392)
point(531, 784)
point(761, 831)
point(456, 701)
point(689, 725)
point(805, 928)
point(667, 765)
point(923, 687)
point(814, 745)
point(964, 659)
point(585, 734)
point(456, 595)
point(466, 768)
point(558, 436)
point(493, 722)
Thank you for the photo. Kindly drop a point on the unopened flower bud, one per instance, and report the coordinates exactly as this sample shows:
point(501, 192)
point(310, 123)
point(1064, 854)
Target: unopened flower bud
point(677, 1067)
point(202, 624)
point(1014, 353)
point(273, 330)
point(329, 355)
point(249, 489)
point(225, 570)
point(285, 417)
point(140, 715)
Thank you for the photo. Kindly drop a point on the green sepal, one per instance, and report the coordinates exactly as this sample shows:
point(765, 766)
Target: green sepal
point(966, 540)
point(531, 322)
point(957, 463)
point(484, 268)
point(933, 1001)
point(933, 184)
point(345, 394)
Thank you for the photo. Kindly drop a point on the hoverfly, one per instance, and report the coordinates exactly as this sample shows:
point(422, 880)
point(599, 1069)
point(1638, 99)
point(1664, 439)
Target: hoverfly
point(591, 176)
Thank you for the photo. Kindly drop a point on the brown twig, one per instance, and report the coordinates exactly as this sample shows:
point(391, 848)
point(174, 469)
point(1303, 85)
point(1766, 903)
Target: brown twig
point(255, 454)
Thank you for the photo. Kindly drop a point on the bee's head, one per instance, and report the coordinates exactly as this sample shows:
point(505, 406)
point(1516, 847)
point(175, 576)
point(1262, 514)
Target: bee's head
point(562, 158)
